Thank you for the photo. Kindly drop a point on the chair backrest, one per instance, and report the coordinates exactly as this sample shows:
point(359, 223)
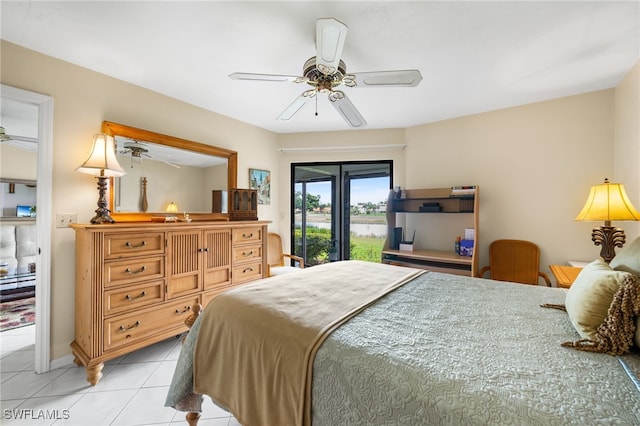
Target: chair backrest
point(275, 255)
point(514, 260)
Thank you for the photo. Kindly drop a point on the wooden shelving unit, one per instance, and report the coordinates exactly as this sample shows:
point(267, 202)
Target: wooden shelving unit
point(460, 209)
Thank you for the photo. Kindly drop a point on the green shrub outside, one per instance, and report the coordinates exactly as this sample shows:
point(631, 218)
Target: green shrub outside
point(319, 245)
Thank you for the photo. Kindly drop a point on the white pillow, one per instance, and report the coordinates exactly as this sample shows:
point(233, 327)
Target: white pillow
point(628, 259)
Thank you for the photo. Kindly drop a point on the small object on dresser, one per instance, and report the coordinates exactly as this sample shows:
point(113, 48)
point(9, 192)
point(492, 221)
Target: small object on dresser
point(4, 268)
point(244, 204)
point(32, 267)
point(466, 248)
point(456, 245)
point(164, 218)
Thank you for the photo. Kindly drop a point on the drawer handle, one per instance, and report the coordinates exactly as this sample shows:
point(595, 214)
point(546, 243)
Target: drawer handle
point(131, 327)
point(247, 236)
point(129, 271)
point(245, 254)
point(184, 311)
point(142, 244)
point(206, 249)
point(245, 270)
point(143, 294)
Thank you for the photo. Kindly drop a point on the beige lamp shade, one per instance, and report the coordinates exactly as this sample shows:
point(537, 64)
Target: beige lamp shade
point(102, 159)
point(608, 202)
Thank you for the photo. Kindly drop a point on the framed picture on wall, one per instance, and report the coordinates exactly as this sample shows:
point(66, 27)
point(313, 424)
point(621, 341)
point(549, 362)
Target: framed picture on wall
point(260, 180)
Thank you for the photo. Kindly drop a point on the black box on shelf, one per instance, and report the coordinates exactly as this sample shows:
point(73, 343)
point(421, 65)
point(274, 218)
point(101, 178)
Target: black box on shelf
point(430, 207)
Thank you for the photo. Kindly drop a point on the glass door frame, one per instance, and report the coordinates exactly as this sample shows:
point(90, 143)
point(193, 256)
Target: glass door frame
point(339, 204)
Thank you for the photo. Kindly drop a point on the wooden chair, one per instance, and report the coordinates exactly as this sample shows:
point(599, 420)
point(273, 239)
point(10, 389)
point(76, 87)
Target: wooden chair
point(275, 257)
point(515, 260)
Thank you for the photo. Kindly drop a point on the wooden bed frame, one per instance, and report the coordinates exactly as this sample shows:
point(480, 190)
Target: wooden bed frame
point(192, 417)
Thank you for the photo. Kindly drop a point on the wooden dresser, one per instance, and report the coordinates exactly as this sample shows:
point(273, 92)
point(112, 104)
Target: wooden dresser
point(137, 282)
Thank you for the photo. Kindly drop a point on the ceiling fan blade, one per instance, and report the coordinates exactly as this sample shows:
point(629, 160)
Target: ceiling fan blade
point(330, 37)
point(265, 77)
point(160, 159)
point(347, 110)
point(296, 105)
point(399, 78)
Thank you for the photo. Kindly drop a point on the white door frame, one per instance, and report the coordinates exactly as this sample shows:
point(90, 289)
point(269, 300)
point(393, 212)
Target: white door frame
point(43, 220)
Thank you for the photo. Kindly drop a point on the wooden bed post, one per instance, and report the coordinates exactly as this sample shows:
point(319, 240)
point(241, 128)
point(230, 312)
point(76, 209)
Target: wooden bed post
point(191, 417)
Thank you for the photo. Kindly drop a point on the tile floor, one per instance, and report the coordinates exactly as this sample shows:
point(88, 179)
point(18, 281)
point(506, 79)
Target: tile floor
point(131, 392)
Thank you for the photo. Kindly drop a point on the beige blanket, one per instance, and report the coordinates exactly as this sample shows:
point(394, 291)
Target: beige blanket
point(256, 344)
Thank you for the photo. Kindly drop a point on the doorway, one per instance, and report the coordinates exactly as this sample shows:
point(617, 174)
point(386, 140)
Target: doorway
point(338, 210)
point(44, 106)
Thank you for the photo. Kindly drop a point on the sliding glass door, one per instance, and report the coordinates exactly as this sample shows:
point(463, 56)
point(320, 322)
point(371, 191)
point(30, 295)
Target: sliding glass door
point(338, 210)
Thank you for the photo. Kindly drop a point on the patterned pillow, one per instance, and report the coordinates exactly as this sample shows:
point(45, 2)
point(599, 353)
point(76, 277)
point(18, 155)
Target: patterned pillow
point(590, 296)
point(628, 259)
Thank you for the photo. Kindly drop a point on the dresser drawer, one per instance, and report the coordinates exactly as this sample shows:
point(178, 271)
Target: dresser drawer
point(247, 235)
point(127, 245)
point(131, 297)
point(134, 270)
point(247, 253)
point(130, 328)
point(247, 272)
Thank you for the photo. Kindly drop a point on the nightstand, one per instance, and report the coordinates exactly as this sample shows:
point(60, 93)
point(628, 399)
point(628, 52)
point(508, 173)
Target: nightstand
point(564, 275)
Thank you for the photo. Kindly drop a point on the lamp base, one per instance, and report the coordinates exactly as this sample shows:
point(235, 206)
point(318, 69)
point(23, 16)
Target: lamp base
point(102, 212)
point(609, 237)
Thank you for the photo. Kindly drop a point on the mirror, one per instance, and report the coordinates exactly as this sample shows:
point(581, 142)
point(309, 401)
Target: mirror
point(163, 170)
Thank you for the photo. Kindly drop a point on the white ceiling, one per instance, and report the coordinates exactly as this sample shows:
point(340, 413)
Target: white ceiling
point(474, 56)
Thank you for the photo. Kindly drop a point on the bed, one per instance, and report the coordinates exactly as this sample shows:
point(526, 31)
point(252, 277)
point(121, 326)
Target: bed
point(419, 348)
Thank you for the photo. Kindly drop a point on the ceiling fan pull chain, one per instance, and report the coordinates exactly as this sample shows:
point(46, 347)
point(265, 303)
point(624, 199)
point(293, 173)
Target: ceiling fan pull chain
point(316, 106)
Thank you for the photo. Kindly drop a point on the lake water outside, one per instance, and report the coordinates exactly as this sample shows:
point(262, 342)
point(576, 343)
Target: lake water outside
point(359, 229)
point(361, 225)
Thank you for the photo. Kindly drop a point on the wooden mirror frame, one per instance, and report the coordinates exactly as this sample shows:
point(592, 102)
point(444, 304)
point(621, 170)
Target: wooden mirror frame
point(115, 129)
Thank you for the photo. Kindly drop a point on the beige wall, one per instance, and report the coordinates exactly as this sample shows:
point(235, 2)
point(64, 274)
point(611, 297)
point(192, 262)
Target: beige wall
point(82, 100)
point(16, 163)
point(316, 147)
point(534, 163)
point(627, 142)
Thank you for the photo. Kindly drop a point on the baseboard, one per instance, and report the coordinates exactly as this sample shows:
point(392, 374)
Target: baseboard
point(65, 361)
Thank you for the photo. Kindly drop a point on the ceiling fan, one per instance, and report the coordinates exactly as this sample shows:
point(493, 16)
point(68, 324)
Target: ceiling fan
point(24, 142)
point(326, 71)
point(138, 150)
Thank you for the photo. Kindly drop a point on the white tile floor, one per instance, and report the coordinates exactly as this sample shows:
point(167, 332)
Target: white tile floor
point(131, 392)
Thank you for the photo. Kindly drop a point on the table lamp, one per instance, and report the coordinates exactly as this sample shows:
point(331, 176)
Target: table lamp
point(608, 202)
point(172, 207)
point(103, 164)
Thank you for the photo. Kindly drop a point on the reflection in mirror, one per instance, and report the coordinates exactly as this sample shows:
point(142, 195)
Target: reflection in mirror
point(158, 175)
point(163, 170)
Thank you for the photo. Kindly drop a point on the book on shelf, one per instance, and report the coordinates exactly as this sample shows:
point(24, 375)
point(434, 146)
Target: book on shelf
point(463, 190)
